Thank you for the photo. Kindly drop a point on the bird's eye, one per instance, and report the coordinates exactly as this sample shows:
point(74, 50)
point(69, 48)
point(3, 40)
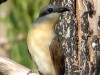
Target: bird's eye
point(50, 10)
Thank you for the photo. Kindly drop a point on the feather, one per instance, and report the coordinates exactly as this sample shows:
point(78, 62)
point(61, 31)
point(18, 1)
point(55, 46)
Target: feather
point(57, 56)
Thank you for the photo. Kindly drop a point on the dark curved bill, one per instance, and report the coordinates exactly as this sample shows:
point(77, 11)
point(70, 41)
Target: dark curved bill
point(62, 9)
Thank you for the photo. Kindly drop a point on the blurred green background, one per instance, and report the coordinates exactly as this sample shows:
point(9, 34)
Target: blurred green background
point(16, 18)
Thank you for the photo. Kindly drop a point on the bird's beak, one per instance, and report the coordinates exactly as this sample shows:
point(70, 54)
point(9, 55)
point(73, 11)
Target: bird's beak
point(62, 9)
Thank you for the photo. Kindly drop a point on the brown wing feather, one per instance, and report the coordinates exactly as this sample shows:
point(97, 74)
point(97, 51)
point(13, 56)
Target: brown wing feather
point(57, 56)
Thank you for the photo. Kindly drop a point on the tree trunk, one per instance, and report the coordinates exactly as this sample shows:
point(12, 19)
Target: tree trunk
point(78, 31)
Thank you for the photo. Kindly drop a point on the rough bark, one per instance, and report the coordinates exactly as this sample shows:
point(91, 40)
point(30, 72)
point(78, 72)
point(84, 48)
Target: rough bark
point(79, 32)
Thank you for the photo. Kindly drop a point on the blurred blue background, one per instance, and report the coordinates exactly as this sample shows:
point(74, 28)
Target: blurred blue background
point(16, 18)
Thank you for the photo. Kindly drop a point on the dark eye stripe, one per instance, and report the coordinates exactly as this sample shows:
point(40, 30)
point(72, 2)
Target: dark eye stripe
point(47, 11)
point(42, 14)
point(50, 10)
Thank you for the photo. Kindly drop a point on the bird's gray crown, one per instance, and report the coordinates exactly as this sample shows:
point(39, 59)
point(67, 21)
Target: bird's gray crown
point(52, 9)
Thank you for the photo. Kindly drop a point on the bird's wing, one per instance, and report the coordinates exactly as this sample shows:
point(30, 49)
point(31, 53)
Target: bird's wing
point(57, 56)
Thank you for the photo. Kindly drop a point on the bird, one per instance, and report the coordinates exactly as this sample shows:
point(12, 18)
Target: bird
point(43, 45)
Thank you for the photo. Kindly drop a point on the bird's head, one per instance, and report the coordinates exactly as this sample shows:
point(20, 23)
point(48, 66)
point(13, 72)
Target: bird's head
point(52, 10)
point(51, 13)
